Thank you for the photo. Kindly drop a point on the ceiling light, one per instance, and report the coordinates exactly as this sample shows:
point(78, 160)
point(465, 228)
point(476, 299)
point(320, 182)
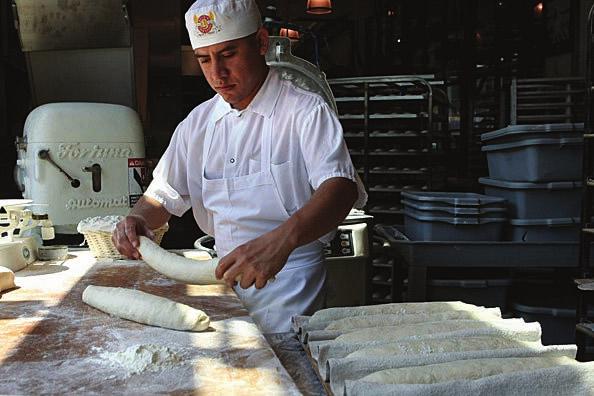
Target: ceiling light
point(319, 7)
point(290, 33)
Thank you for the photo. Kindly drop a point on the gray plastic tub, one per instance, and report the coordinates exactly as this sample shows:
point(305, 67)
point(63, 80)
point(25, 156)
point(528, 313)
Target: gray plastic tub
point(420, 226)
point(537, 200)
point(536, 160)
point(564, 229)
point(515, 133)
point(483, 292)
point(457, 211)
point(453, 199)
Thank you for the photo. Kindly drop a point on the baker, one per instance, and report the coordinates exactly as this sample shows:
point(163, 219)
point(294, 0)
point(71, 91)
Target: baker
point(262, 164)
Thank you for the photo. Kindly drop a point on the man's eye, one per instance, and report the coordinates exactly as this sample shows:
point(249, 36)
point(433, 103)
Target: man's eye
point(203, 60)
point(228, 54)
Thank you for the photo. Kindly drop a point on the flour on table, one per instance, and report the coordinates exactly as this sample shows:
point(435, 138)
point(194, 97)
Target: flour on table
point(140, 358)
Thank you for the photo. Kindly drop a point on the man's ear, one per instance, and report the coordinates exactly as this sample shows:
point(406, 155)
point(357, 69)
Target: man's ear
point(262, 37)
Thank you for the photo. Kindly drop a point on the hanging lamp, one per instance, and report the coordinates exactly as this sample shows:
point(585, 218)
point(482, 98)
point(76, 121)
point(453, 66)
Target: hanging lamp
point(290, 33)
point(319, 7)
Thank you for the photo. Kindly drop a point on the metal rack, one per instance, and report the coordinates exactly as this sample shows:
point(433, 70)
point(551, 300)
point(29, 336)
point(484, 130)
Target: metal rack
point(546, 100)
point(584, 327)
point(396, 131)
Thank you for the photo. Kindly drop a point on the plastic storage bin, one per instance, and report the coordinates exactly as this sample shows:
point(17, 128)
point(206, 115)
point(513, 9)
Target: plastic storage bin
point(483, 292)
point(453, 199)
point(419, 226)
point(456, 203)
point(536, 160)
point(558, 324)
point(537, 200)
point(529, 230)
point(457, 211)
point(514, 133)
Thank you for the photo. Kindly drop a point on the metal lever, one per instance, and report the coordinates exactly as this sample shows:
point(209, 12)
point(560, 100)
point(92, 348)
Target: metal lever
point(45, 155)
point(95, 169)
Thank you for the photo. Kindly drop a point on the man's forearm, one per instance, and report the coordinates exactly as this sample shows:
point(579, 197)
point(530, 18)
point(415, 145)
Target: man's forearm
point(327, 208)
point(153, 213)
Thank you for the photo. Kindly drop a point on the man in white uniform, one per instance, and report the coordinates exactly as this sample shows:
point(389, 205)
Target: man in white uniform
point(263, 165)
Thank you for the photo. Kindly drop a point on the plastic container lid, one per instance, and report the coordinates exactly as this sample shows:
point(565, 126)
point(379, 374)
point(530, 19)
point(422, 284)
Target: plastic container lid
point(534, 142)
point(454, 198)
point(455, 210)
point(533, 129)
point(564, 185)
point(453, 220)
point(555, 222)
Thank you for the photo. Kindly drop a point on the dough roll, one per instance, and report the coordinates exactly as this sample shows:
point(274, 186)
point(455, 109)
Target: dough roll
point(145, 308)
point(6, 279)
point(195, 272)
point(470, 369)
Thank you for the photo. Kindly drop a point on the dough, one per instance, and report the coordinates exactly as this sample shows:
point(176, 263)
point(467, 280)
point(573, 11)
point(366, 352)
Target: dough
point(145, 308)
point(463, 369)
point(6, 279)
point(443, 345)
point(330, 314)
point(419, 329)
point(177, 267)
point(361, 322)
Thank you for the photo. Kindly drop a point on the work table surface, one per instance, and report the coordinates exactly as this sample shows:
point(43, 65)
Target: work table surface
point(51, 342)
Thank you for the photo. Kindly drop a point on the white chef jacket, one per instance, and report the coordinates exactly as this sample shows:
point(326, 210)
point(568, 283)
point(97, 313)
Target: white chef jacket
point(306, 134)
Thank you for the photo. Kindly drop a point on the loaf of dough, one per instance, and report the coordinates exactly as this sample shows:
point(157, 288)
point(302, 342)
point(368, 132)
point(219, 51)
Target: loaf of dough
point(330, 314)
point(145, 308)
point(419, 329)
point(196, 272)
point(442, 345)
point(361, 322)
point(6, 279)
point(464, 370)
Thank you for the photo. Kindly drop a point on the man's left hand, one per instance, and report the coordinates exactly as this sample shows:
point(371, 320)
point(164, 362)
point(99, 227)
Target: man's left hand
point(256, 261)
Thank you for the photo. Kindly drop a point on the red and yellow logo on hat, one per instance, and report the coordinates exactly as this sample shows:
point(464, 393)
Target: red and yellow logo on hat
point(206, 23)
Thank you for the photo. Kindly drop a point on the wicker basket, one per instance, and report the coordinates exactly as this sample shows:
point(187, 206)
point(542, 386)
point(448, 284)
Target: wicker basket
point(101, 245)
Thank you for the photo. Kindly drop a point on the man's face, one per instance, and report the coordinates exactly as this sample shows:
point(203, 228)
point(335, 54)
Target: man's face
point(235, 69)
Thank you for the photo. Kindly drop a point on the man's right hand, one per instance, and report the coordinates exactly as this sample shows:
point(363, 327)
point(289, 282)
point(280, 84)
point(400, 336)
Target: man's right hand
point(125, 236)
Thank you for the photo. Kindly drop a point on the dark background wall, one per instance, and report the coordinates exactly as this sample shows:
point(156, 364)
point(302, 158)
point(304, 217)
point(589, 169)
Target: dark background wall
point(359, 38)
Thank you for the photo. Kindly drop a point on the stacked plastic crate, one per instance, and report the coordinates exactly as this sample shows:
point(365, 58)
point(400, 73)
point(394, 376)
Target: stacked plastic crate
point(537, 169)
point(453, 216)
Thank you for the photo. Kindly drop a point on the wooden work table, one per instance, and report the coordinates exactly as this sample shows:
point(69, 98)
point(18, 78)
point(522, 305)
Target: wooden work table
point(51, 342)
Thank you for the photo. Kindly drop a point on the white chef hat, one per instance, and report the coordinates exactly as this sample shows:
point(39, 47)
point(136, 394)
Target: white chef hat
point(214, 21)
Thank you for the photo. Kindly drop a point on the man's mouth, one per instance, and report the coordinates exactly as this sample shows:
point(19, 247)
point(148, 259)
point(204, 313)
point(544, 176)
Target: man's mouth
point(225, 88)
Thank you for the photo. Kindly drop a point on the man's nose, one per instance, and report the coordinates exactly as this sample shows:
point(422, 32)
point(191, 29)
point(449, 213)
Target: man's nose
point(219, 69)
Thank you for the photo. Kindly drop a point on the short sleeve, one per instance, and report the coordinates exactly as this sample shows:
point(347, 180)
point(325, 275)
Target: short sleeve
point(325, 152)
point(170, 182)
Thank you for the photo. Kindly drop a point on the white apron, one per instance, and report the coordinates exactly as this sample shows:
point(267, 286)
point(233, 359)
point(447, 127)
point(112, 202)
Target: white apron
point(244, 208)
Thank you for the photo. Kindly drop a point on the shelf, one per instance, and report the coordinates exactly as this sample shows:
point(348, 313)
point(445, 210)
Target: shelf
point(378, 98)
point(399, 153)
point(397, 135)
point(397, 172)
point(386, 211)
point(381, 265)
point(383, 283)
point(383, 116)
point(391, 114)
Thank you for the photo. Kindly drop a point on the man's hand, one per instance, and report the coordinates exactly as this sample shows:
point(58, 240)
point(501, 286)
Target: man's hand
point(256, 261)
point(146, 215)
point(125, 236)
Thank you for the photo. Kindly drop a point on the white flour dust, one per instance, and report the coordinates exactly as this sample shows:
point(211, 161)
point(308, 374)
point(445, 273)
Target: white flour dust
point(98, 223)
point(140, 358)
